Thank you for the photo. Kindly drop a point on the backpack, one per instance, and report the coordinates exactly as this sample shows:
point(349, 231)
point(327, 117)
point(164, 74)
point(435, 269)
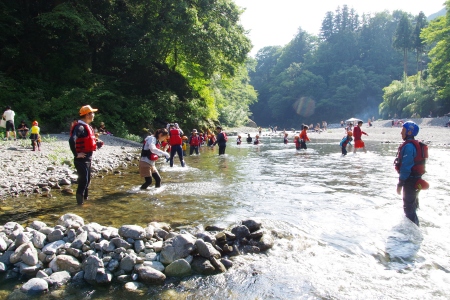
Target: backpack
point(225, 136)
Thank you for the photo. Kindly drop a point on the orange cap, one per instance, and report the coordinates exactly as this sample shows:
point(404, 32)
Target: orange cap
point(87, 109)
point(35, 123)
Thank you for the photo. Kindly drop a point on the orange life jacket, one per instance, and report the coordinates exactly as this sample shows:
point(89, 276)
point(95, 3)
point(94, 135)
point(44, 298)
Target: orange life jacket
point(419, 160)
point(88, 143)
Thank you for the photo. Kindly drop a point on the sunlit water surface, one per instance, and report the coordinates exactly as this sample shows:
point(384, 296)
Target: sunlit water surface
point(338, 222)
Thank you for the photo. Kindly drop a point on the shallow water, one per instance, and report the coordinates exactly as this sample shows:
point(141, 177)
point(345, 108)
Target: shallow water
point(339, 223)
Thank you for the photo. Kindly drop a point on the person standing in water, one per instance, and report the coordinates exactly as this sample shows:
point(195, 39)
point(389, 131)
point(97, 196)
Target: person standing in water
point(175, 143)
point(83, 143)
point(357, 133)
point(304, 137)
point(285, 140)
point(410, 165)
point(249, 139)
point(221, 140)
point(346, 141)
point(149, 155)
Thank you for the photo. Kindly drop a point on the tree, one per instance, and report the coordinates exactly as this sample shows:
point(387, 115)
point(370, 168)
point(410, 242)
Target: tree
point(402, 39)
point(417, 41)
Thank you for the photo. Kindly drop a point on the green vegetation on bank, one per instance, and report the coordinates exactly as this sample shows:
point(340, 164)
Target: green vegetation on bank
point(142, 63)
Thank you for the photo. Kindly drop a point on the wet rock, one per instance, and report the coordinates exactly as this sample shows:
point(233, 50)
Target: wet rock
point(214, 228)
point(217, 265)
point(176, 248)
point(203, 266)
point(178, 268)
point(134, 286)
point(256, 235)
point(65, 263)
point(35, 286)
point(134, 232)
point(206, 237)
point(148, 275)
point(265, 243)
point(206, 249)
point(71, 221)
point(252, 225)
point(227, 263)
point(241, 231)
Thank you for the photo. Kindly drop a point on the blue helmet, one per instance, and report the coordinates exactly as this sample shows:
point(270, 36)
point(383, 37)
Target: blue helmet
point(411, 126)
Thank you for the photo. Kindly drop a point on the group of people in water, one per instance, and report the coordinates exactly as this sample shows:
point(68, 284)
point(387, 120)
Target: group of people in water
point(409, 163)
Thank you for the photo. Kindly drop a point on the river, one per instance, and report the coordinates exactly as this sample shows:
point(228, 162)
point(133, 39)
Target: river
point(338, 222)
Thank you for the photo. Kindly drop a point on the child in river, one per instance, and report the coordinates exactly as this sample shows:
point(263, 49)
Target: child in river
point(256, 141)
point(285, 140)
point(346, 140)
point(297, 142)
point(238, 140)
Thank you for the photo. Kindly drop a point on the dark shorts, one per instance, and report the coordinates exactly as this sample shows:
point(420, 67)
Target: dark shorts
point(10, 126)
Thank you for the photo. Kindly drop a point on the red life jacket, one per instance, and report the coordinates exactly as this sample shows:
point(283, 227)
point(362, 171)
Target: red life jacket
point(175, 138)
point(195, 141)
point(419, 160)
point(88, 143)
point(225, 136)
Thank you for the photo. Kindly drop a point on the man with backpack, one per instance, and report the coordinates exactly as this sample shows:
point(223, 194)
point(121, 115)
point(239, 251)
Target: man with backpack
point(221, 140)
point(410, 165)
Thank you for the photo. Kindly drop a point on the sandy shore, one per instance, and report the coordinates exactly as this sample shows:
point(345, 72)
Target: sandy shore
point(432, 131)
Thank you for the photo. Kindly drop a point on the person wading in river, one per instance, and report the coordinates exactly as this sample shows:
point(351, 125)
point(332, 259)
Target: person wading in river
point(149, 155)
point(357, 133)
point(410, 165)
point(83, 143)
point(221, 140)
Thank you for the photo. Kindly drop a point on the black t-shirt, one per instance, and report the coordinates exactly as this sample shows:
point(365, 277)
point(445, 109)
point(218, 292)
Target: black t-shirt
point(249, 139)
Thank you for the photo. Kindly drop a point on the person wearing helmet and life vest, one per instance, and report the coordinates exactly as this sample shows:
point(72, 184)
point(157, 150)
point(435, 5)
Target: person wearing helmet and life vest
point(175, 141)
point(194, 142)
point(410, 165)
point(149, 154)
point(357, 133)
point(83, 143)
point(35, 137)
point(346, 141)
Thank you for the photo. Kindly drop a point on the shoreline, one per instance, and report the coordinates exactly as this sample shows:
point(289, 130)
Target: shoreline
point(25, 172)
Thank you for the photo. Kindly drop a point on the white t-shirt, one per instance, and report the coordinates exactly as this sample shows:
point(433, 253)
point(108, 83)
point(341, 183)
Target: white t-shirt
point(9, 115)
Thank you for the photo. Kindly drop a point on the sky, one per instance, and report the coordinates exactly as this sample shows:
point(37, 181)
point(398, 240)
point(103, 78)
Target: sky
point(275, 22)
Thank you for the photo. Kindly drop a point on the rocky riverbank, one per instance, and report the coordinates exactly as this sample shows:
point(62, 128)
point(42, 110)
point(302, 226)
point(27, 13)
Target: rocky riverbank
point(51, 170)
point(73, 252)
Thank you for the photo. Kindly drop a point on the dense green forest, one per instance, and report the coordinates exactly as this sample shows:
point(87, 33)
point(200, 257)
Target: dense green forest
point(142, 63)
point(357, 67)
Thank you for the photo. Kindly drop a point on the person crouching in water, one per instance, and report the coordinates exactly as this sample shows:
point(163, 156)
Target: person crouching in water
point(83, 143)
point(175, 143)
point(304, 137)
point(35, 136)
point(346, 141)
point(149, 154)
point(357, 133)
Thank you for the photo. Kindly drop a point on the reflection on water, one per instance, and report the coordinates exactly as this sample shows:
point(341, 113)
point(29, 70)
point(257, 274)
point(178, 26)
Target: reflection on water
point(339, 222)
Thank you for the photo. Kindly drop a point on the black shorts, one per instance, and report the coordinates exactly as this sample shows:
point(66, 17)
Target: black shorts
point(10, 126)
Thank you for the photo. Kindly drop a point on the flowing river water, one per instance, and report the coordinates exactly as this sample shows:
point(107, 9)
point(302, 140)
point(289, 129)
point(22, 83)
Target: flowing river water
point(338, 222)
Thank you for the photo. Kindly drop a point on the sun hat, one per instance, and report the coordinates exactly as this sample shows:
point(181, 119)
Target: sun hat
point(87, 109)
point(194, 130)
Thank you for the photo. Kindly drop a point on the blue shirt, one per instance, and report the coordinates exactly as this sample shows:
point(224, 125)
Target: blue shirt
point(408, 154)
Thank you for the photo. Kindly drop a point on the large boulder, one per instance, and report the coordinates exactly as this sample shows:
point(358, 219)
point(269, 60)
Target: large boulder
point(35, 286)
point(134, 232)
point(177, 247)
point(71, 221)
point(178, 268)
point(148, 275)
point(251, 123)
point(241, 231)
point(65, 263)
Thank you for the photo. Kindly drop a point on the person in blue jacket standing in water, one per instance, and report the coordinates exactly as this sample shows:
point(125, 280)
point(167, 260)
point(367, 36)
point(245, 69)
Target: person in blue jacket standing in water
point(221, 140)
point(410, 165)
